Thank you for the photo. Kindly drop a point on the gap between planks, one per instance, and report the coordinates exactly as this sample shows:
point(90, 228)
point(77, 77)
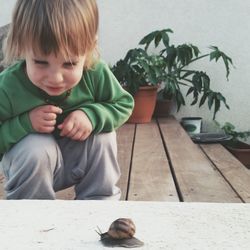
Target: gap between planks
point(197, 177)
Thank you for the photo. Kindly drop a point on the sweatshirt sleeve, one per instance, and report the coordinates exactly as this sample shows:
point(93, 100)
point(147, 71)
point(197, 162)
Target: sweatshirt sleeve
point(12, 129)
point(113, 105)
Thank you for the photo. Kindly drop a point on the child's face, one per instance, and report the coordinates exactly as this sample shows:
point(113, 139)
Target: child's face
point(52, 73)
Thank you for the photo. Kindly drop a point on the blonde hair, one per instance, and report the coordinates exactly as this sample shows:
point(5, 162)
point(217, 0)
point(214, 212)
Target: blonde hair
point(53, 26)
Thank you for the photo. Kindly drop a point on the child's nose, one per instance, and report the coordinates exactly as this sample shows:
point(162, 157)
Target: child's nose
point(55, 77)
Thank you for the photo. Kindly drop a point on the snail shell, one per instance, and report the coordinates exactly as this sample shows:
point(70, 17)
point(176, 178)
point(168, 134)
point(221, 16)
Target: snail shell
point(121, 228)
point(121, 234)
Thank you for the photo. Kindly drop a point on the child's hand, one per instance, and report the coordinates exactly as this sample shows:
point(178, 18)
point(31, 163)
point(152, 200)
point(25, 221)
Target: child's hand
point(76, 126)
point(43, 118)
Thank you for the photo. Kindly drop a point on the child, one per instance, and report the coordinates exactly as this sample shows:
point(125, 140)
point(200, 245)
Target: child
point(59, 104)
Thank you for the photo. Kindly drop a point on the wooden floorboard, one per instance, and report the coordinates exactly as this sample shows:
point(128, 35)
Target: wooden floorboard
point(159, 162)
point(233, 171)
point(125, 137)
point(197, 178)
point(151, 179)
point(66, 194)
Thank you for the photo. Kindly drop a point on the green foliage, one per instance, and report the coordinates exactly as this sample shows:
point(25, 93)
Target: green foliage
point(230, 129)
point(139, 69)
point(171, 66)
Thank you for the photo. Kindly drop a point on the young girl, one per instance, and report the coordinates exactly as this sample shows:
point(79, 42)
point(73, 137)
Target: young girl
point(59, 104)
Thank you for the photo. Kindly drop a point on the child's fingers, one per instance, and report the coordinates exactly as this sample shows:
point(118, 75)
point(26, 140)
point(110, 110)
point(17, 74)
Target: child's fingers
point(81, 136)
point(66, 128)
point(50, 123)
point(72, 132)
point(49, 116)
point(77, 135)
point(52, 109)
point(85, 135)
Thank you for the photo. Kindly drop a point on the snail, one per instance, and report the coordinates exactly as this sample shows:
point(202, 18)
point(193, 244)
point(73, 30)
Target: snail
point(120, 234)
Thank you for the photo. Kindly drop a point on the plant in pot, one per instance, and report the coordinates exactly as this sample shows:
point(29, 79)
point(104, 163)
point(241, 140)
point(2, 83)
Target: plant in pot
point(140, 74)
point(168, 67)
point(236, 146)
point(177, 72)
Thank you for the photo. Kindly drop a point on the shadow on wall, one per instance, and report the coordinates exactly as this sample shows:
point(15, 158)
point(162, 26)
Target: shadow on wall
point(3, 33)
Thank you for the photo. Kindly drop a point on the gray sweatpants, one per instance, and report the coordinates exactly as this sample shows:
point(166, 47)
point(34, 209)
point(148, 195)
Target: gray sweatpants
point(38, 166)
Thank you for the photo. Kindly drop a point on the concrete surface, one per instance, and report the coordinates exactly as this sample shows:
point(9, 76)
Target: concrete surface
point(161, 225)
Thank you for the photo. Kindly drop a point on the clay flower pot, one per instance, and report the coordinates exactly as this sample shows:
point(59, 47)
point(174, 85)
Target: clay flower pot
point(145, 100)
point(240, 150)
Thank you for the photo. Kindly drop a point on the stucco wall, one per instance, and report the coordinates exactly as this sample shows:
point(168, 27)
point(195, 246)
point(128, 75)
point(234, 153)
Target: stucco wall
point(225, 23)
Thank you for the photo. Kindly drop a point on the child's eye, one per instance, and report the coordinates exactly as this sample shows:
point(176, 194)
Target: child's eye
point(69, 64)
point(40, 62)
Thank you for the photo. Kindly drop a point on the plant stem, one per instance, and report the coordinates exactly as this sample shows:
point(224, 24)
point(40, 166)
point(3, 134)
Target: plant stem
point(195, 59)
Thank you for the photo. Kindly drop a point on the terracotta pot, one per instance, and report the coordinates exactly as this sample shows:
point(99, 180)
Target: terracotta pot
point(240, 150)
point(162, 108)
point(145, 100)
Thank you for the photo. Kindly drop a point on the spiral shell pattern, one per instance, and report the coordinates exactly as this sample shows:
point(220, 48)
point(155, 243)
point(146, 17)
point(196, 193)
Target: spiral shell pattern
point(122, 228)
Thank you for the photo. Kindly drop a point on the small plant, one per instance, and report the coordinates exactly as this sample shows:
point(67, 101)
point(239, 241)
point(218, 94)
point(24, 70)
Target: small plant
point(229, 129)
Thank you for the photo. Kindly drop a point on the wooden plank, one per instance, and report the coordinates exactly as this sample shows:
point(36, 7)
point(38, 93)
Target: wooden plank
point(66, 194)
point(125, 137)
point(198, 179)
point(151, 179)
point(232, 169)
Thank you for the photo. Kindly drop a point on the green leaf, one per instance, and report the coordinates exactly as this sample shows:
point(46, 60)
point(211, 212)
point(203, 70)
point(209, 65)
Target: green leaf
point(156, 36)
point(203, 99)
point(187, 73)
point(190, 90)
point(206, 82)
point(179, 100)
point(148, 39)
point(216, 54)
point(171, 56)
point(195, 50)
point(210, 100)
point(184, 54)
point(197, 81)
point(165, 37)
point(216, 107)
point(157, 39)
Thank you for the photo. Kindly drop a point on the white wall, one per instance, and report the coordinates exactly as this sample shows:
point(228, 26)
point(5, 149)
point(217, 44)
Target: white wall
point(225, 23)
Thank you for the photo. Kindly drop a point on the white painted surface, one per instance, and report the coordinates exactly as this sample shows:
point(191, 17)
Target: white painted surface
point(54, 225)
point(225, 23)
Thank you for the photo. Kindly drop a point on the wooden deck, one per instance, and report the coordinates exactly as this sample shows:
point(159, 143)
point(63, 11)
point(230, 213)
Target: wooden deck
point(159, 162)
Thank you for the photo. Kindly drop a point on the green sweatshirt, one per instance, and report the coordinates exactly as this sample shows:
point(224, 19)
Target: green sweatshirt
point(98, 94)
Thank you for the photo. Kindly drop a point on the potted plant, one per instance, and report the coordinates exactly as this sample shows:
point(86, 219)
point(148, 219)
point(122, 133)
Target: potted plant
point(140, 74)
point(192, 124)
point(236, 146)
point(177, 72)
point(168, 67)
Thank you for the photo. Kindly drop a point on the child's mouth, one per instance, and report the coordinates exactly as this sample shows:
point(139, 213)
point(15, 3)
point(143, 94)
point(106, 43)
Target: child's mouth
point(55, 90)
